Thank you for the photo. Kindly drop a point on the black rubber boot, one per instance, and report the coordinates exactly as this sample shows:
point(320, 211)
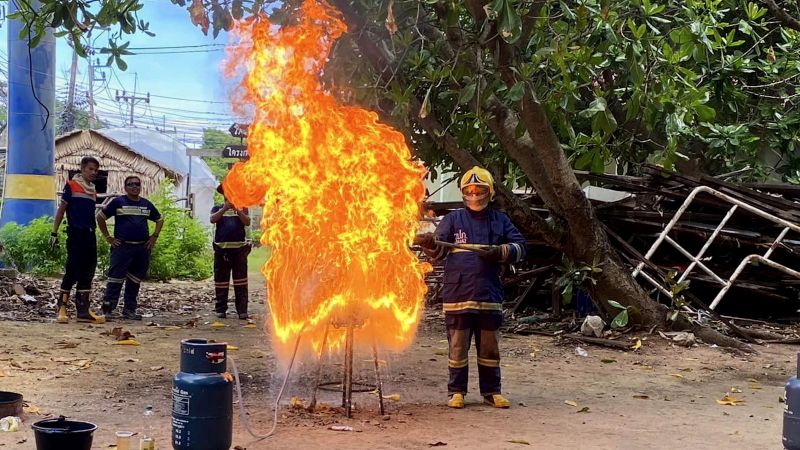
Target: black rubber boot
point(85, 314)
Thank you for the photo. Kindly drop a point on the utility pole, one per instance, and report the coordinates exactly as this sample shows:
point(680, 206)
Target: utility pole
point(132, 100)
point(68, 117)
point(92, 78)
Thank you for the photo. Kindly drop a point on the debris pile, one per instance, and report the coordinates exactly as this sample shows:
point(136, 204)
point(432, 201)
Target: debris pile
point(724, 230)
point(25, 297)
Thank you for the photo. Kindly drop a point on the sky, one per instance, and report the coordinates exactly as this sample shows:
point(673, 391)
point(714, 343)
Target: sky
point(179, 67)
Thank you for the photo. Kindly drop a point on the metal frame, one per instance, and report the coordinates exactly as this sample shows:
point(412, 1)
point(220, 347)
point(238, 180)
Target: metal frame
point(348, 385)
point(696, 259)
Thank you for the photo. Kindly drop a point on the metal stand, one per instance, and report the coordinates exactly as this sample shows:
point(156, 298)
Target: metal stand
point(348, 386)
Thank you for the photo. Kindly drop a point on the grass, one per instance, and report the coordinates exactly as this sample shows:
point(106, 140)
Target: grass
point(257, 258)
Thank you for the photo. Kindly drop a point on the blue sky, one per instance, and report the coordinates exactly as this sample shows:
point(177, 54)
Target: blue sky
point(191, 76)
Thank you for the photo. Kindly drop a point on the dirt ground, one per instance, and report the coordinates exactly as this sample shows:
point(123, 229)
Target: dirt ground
point(659, 396)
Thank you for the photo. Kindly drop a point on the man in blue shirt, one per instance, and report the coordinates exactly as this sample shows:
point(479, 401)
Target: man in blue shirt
point(78, 202)
point(472, 290)
point(230, 256)
point(130, 246)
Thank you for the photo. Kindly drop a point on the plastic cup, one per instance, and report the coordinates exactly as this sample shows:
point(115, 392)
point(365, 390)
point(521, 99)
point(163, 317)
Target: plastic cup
point(147, 443)
point(124, 440)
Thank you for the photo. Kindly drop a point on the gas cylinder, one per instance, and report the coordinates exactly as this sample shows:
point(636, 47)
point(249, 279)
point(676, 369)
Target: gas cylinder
point(202, 398)
point(791, 412)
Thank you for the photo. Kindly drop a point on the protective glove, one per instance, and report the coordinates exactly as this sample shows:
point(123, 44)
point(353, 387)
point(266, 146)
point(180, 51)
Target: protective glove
point(426, 241)
point(493, 254)
point(53, 243)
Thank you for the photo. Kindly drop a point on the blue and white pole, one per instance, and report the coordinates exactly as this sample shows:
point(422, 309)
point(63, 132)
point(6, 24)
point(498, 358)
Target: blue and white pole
point(30, 188)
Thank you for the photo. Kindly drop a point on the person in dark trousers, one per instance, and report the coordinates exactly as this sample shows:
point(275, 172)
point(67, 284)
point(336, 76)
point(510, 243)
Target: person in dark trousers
point(230, 256)
point(472, 290)
point(78, 202)
point(130, 246)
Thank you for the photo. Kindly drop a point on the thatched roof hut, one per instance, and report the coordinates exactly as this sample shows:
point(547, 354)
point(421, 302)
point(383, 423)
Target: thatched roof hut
point(117, 161)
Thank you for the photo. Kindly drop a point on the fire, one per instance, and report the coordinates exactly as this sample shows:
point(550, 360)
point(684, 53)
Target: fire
point(341, 193)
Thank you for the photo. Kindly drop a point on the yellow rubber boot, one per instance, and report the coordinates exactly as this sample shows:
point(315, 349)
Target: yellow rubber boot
point(61, 315)
point(456, 401)
point(497, 400)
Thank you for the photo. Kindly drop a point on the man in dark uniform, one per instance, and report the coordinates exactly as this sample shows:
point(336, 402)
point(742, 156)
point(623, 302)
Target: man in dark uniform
point(78, 202)
point(230, 256)
point(130, 246)
point(472, 290)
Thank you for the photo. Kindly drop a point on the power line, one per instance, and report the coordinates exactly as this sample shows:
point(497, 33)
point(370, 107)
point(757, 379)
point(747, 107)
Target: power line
point(176, 47)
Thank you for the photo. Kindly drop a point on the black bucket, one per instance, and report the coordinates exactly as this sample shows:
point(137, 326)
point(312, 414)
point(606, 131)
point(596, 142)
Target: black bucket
point(10, 404)
point(62, 434)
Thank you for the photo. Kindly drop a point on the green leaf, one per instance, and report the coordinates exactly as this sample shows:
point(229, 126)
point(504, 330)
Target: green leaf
point(120, 63)
point(598, 162)
point(745, 28)
point(566, 295)
point(604, 121)
point(509, 24)
point(585, 160)
point(237, 11)
point(597, 106)
point(705, 113)
point(616, 304)
point(466, 94)
point(516, 92)
point(621, 320)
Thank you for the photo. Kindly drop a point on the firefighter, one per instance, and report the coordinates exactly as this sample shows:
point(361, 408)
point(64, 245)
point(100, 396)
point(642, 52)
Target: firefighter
point(230, 256)
point(472, 291)
point(78, 202)
point(130, 246)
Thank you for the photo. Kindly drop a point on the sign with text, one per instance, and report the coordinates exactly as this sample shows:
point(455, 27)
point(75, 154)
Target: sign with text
point(235, 151)
point(238, 130)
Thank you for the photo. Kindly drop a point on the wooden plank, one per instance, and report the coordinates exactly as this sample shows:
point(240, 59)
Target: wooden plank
point(203, 152)
point(599, 341)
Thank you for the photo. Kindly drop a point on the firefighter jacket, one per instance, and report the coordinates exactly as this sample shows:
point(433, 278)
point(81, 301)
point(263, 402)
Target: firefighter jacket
point(471, 283)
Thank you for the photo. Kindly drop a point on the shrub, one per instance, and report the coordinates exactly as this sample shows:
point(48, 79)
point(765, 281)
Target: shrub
point(183, 249)
point(28, 248)
point(255, 234)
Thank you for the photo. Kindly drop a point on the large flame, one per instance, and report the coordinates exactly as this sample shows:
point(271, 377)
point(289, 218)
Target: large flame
point(341, 193)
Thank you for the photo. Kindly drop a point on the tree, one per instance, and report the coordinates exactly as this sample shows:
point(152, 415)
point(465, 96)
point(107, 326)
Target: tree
point(79, 119)
point(533, 89)
point(215, 139)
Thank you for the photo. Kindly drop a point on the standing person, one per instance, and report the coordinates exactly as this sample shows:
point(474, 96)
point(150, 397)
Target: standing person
point(230, 256)
point(473, 292)
point(78, 202)
point(130, 246)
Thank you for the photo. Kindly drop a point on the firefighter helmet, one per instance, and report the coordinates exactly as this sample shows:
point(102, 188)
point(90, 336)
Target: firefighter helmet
point(478, 176)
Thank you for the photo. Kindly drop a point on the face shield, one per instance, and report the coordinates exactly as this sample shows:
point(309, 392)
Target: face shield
point(476, 197)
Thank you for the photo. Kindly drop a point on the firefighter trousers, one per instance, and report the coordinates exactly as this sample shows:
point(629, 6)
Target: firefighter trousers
point(129, 264)
point(460, 330)
point(81, 260)
point(227, 262)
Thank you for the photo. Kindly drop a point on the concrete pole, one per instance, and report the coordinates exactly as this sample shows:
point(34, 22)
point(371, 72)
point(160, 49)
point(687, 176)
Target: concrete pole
point(30, 187)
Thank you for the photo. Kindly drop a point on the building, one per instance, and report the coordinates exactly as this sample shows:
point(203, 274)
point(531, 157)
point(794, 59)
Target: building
point(149, 154)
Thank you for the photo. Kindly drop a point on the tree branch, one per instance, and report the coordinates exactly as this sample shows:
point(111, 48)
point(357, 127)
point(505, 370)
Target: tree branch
point(782, 16)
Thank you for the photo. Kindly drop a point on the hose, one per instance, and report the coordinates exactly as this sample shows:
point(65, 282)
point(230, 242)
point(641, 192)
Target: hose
point(243, 415)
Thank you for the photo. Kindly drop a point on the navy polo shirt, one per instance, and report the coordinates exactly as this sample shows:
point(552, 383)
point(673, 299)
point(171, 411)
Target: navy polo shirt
point(80, 206)
point(229, 228)
point(130, 224)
